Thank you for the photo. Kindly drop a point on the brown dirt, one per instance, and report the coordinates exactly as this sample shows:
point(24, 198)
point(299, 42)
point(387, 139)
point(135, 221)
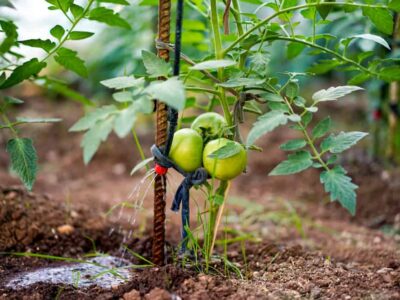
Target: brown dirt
point(302, 246)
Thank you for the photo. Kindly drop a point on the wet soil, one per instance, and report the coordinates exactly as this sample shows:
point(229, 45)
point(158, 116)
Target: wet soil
point(298, 245)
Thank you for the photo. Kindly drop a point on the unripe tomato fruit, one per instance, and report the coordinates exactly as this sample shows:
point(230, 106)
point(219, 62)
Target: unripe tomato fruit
point(224, 168)
point(186, 149)
point(210, 125)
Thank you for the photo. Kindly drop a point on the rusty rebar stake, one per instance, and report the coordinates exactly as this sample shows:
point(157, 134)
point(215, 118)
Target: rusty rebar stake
point(164, 17)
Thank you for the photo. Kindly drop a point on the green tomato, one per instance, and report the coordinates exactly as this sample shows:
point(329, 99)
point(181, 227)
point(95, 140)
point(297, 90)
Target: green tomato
point(224, 168)
point(210, 125)
point(187, 149)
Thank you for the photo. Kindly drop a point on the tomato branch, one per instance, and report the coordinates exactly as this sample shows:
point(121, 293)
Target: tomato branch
point(290, 9)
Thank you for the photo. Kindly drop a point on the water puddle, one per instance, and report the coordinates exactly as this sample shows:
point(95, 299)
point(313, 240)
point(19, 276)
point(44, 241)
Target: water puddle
point(104, 271)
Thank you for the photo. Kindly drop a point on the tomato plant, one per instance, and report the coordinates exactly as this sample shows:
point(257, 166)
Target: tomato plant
point(230, 68)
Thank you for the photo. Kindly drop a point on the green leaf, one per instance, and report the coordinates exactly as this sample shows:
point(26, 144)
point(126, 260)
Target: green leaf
point(46, 45)
point(324, 10)
point(70, 60)
point(228, 150)
point(105, 15)
point(292, 145)
point(240, 82)
point(10, 30)
point(171, 92)
point(278, 106)
point(58, 32)
point(123, 97)
point(125, 120)
point(294, 49)
point(292, 89)
point(381, 17)
point(76, 11)
point(38, 120)
point(265, 124)
point(12, 100)
point(334, 93)
point(122, 82)
point(324, 66)
point(155, 66)
point(80, 35)
point(340, 188)
point(23, 160)
point(61, 4)
point(92, 117)
point(374, 38)
point(94, 136)
point(141, 165)
point(295, 163)
point(272, 97)
point(359, 79)
point(395, 5)
point(342, 141)
point(321, 128)
point(213, 64)
point(123, 2)
point(22, 72)
point(390, 74)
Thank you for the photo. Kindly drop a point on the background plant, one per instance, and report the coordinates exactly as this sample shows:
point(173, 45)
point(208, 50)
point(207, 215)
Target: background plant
point(15, 68)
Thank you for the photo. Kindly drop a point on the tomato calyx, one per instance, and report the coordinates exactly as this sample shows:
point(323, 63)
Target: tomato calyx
point(160, 170)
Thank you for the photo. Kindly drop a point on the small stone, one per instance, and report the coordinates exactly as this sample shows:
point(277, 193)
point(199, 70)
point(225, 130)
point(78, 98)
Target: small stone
point(65, 229)
point(119, 169)
point(158, 294)
point(377, 240)
point(11, 195)
point(384, 270)
point(256, 274)
point(132, 295)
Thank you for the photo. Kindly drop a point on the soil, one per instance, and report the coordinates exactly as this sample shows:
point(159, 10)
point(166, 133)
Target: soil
point(298, 245)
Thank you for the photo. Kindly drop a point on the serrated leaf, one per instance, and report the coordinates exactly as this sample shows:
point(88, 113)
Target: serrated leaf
point(294, 49)
point(228, 150)
point(295, 163)
point(141, 165)
point(57, 31)
point(359, 79)
point(272, 97)
point(240, 82)
point(80, 35)
point(265, 124)
point(171, 92)
point(213, 64)
point(125, 120)
point(292, 145)
point(61, 4)
point(340, 188)
point(334, 93)
point(92, 117)
point(10, 30)
point(38, 120)
point(395, 5)
point(46, 45)
point(123, 97)
point(76, 11)
point(374, 38)
point(390, 74)
point(342, 141)
point(321, 128)
point(324, 10)
point(94, 136)
point(107, 16)
point(381, 17)
point(23, 160)
point(278, 106)
point(22, 72)
point(292, 89)
point(70, 60)
point(155, 66)
point(122, 82)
